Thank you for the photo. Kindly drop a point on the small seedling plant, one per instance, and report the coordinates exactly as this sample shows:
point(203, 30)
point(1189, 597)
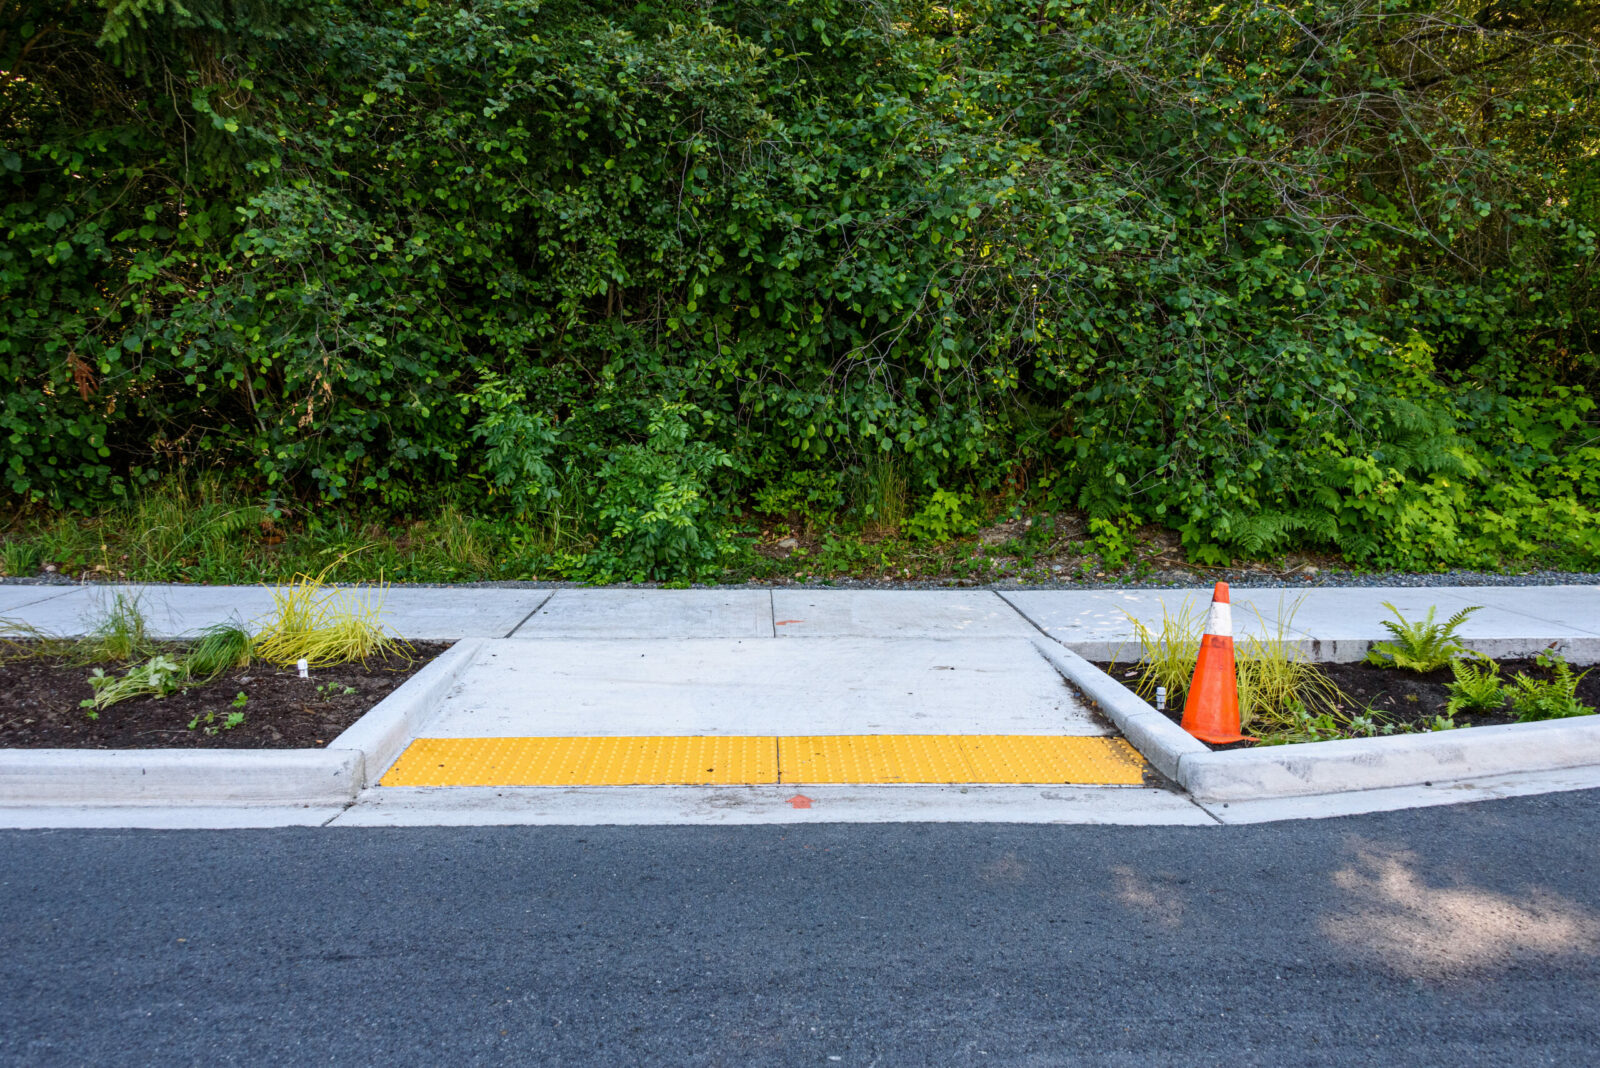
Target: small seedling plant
point(208, 723)
point(1422, 646)
point(328, 691)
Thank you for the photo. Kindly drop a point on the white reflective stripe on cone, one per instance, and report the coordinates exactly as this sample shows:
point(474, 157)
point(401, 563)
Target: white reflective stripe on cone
point(1221, 622)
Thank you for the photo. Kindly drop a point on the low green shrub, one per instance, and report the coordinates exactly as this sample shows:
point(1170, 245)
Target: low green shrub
point(655, 505)
point(945, 515)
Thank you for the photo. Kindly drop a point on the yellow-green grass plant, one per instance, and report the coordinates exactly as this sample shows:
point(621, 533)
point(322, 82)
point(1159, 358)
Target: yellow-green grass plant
point(1168, 656)
point(323, 626)
point(1275, 678)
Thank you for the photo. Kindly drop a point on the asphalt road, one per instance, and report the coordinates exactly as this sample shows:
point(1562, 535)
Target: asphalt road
point(1456, 936)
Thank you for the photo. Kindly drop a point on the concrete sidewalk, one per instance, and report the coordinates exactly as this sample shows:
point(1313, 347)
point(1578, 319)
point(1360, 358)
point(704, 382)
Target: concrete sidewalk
point(1330, 623)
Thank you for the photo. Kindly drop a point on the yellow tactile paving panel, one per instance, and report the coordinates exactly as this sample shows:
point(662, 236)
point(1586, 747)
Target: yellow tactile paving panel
point(646, 761)
point(948, 758)
point(722, 760)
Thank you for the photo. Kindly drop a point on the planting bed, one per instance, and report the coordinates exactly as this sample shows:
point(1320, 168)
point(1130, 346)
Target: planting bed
point(1404, 698)
point(39, 706)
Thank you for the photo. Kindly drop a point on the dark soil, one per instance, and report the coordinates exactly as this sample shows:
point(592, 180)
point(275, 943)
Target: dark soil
point(1404, 698)
point(39, 706)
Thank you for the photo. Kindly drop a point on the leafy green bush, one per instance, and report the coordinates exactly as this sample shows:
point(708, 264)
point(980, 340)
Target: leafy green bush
point(1269, 276)
point(518, 447)
point(655, 505)
point(1422, 646)
point(944, 516)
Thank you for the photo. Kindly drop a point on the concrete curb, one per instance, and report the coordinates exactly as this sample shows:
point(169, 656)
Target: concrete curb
point(1162, 741)
point(1347, 765)
point(166, 776)
point(334, 775)
point(1380, 763)
point(389, 726)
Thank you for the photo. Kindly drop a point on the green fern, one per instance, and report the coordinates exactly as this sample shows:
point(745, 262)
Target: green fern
point(1272, 530)
point(1477, 687)
point(1423, 646)
point(1553, 698)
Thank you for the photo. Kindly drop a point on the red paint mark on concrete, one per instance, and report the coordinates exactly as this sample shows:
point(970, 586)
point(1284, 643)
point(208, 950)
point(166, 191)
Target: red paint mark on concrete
point(800, 801)
point(786, 622)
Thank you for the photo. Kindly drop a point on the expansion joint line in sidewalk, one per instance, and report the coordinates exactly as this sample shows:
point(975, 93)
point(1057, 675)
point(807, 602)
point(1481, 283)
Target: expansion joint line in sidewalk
point(725, 760)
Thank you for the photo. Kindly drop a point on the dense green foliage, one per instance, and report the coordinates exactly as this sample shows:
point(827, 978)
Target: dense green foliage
point(1319, 273)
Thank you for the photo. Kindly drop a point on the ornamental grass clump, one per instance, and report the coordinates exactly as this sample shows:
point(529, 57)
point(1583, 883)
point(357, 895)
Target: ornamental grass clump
point(1169, 654)
point(219, 648)
point(1274, 678)
point(122, 635)
point(323, 626)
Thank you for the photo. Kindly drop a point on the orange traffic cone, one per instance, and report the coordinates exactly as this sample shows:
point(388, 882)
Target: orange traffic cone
point(1211, 711)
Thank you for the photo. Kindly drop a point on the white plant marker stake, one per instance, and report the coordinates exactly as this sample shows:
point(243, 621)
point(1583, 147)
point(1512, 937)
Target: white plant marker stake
point(305, 668)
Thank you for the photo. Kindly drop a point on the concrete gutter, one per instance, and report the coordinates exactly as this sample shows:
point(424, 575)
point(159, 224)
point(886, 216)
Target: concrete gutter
point(1329, 767)
point(237, 776)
